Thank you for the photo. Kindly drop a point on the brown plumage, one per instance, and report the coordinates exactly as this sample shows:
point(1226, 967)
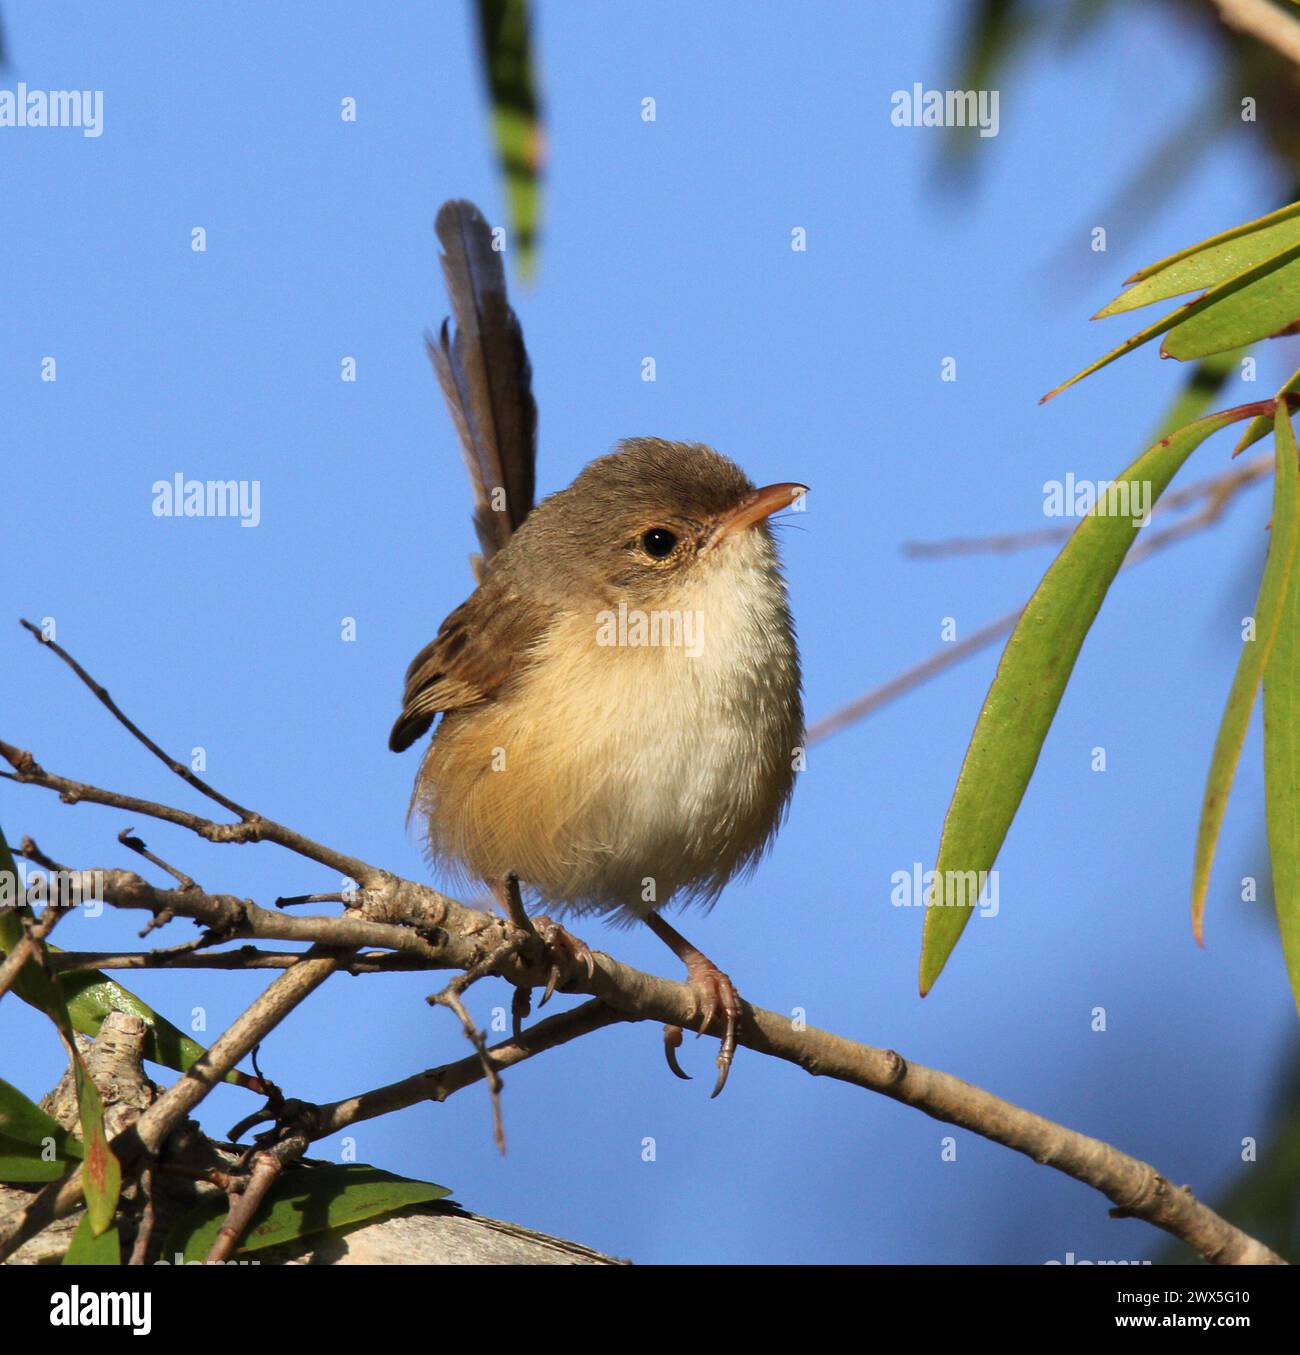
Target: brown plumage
point(486, 377)
point(619, 698)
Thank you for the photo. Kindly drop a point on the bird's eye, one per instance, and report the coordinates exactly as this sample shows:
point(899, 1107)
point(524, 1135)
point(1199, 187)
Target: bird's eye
point(658, 542)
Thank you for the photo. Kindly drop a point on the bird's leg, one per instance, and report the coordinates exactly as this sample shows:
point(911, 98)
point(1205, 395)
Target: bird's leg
point(563, 951)
point(714, 995)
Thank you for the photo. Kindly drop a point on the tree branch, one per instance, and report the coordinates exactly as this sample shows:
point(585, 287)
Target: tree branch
point(392, 914)
point(1265, 22)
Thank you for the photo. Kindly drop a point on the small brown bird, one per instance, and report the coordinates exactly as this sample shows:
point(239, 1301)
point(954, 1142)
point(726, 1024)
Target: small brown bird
point(621, 714)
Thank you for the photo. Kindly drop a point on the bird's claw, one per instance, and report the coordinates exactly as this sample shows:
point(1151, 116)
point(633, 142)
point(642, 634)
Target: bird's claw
point(565, 953)
point(520, 1006)
point(713, 995)
point(672, 1043)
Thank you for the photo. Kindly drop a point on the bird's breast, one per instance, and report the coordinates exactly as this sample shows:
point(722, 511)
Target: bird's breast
point(645, 752)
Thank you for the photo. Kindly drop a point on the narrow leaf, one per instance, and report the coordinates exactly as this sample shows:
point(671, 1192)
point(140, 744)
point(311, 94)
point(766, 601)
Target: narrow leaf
point(1029, 683)
point(1278, 572)
point(1214, 297)
point(1210, 262)
point(23, 1122)
point(89, 1248)
point(309, 1200)
point(21, 1162)
point(1282, 769)
point(102, 1174)
point(1260, 223)
point(33, 1145)
point(1267, 305)
point(101, 1177)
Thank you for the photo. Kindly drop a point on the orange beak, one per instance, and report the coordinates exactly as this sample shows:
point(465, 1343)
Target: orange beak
point(755, 507)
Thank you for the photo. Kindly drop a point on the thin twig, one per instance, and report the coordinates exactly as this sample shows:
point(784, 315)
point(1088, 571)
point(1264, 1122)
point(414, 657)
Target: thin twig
point(266, 1169)
point(101, 693)
point(1131, 1185)
point(140, 1142)
point(148, 1219)
point(401, 915)
point(28, 848)
point(1218, 492)
point(450, 997)
point(246, 958)
point(1219, 486)
point(127, 839)
point(27, 771)
point(29, 947)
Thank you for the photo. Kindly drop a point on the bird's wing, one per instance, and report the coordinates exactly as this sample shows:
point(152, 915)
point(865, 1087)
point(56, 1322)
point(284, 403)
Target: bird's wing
point(486, 378)
point(483, 644)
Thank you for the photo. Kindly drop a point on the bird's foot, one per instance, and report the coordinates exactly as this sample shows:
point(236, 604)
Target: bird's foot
point(564, 953)
point(715, 999)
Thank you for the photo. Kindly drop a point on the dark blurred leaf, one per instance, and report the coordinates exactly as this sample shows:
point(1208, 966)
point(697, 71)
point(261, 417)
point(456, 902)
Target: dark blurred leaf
point(1264, 1199)
point(516, 116)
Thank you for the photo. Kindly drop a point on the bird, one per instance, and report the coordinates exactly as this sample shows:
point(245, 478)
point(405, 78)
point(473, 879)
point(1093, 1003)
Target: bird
point(619, 704)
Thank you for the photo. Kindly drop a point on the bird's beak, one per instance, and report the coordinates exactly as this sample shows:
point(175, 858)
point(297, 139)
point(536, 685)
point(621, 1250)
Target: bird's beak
point(755, 507)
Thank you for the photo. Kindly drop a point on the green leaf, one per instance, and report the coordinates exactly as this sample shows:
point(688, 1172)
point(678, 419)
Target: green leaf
point(1029, 683)
point(1229, 334)
point(33, 1145)
point(516, 117)
point(102, 1173)
point(1278, 573)
point(1210, 261)
point(1264, 307)
point(1282, 767)
point(304, 1201)
point(90, 995)
point(89, 1248)
point(1260, 427)
point(21, 1162)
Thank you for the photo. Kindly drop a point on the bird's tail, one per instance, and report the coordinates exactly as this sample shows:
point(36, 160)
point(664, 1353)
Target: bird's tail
point(486, 378)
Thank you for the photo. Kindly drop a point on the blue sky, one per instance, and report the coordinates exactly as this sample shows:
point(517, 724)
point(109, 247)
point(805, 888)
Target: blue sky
point(669, 239)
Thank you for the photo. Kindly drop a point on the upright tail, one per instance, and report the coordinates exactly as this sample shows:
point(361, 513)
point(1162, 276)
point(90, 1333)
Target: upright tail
point(486, 378)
